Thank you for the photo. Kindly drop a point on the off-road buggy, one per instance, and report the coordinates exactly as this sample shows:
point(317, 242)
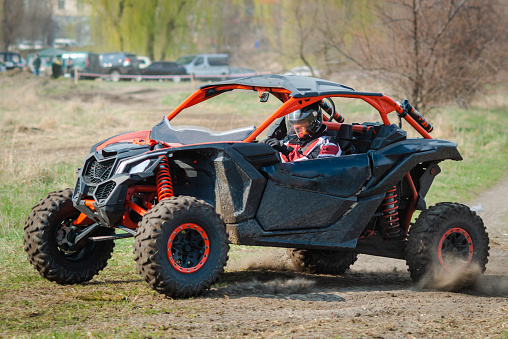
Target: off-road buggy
point(186, 193)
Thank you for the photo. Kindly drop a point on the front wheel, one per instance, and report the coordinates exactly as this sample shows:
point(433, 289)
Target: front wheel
point(448, 247)
point(48, 240)
point(181, 247)
point(322, 261)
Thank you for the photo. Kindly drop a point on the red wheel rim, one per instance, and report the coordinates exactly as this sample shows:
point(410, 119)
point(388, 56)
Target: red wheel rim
point(456, 243)
point(188, 248)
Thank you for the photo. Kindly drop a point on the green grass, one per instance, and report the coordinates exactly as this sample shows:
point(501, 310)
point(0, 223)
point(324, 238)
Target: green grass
point(483, 143)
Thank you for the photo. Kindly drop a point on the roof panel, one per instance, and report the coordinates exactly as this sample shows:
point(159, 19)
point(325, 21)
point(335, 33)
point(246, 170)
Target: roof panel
point(299, 86)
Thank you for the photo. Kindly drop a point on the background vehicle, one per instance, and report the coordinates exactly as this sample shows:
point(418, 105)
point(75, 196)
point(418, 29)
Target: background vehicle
point(144, 61)
point(162, 70)
point(118, 65)
point(64, 43)
point(30, 45)
point(75, 60)
point(11, 60)
point(205, 66)
point(185, 192)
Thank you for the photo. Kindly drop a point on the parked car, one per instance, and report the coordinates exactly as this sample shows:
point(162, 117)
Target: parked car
point(11, 60)
point(64, 43)
point(75, 61)
point(30, 45)
point(205, 66)
point(161, 70)
point(118, 65)
point(144, 61)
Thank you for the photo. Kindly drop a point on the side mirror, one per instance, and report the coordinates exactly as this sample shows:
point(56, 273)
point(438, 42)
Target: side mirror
point(264, 97)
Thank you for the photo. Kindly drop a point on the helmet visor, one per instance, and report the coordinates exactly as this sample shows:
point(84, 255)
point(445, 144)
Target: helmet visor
point(299, 122)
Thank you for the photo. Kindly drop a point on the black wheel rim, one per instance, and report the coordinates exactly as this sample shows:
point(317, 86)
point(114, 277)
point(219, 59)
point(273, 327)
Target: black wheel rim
point(188, 248)
point(455, 244)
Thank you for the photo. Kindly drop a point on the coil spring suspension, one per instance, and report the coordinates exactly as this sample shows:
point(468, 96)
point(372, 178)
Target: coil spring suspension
point(164, 182)
point(389, 207)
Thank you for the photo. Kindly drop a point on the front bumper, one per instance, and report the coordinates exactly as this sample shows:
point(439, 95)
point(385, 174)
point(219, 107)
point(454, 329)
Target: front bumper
point(100, 193)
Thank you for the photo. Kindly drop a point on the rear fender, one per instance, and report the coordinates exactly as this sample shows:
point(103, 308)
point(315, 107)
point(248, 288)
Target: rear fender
point(392, 163)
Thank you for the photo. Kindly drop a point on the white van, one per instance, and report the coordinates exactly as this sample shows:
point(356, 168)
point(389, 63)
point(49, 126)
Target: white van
point(205, 66)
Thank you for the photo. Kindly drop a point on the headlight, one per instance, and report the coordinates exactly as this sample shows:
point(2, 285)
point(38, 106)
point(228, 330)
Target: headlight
point(140, 167)
point(132, 166)
point(138, 164)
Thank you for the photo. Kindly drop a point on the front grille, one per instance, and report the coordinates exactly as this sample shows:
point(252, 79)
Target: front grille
point(103, 191)
point(96, 172)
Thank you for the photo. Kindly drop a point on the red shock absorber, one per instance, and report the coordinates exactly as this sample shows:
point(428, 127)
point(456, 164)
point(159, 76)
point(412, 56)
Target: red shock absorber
point(164, 182)
point(389, 207)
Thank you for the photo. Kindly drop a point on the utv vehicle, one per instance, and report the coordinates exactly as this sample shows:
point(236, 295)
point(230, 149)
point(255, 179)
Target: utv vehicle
point(185, 193)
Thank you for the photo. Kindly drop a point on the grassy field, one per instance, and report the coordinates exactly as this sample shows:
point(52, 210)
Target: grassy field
point(46, 129)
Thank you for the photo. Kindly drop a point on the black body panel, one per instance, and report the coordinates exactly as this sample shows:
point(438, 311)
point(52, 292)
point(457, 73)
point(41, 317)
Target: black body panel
point(342, 234)
point(339, 176)
point(393, 162)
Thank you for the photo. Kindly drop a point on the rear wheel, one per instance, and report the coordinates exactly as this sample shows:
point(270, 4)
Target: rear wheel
point(448, 247)
point(181, 247)
point(322, 261)
point(48, 238)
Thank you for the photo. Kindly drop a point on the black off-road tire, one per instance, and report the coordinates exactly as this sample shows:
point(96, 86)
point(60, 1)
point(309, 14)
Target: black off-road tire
point(442, 233)
point(181, 247)
point(47, 221)
point(321, 261)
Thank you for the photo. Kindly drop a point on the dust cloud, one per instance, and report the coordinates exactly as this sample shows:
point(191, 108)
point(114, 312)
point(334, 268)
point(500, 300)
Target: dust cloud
point(273, 287)
point(492, 285)
point(271, 259)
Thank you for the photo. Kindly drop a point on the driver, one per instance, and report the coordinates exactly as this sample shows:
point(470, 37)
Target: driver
point(309, 140)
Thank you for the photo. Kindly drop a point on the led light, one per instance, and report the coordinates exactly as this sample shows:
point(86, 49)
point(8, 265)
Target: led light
point(140, 167)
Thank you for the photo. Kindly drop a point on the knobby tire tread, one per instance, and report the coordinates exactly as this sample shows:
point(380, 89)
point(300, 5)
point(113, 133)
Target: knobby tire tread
point(38, 246)
point(420, 256)
point(151, 230)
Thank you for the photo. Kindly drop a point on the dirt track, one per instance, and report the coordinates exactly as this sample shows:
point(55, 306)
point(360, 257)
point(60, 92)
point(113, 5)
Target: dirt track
point(375, 299)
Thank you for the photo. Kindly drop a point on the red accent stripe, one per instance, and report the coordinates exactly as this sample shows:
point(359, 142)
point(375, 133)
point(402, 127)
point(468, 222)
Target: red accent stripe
point(127, 137)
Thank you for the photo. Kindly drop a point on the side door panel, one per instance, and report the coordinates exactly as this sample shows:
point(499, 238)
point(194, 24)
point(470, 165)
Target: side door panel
point(313, 193)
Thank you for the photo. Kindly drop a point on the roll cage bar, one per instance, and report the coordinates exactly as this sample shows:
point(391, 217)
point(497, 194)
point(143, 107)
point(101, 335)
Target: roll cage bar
point(296, 92)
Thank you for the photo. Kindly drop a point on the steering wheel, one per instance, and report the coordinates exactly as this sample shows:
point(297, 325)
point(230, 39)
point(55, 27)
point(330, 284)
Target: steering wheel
point(328, 106)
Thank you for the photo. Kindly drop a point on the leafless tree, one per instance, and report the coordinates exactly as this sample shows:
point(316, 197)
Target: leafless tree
point(36, 21)
point(435, 50)
point(12, 13)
